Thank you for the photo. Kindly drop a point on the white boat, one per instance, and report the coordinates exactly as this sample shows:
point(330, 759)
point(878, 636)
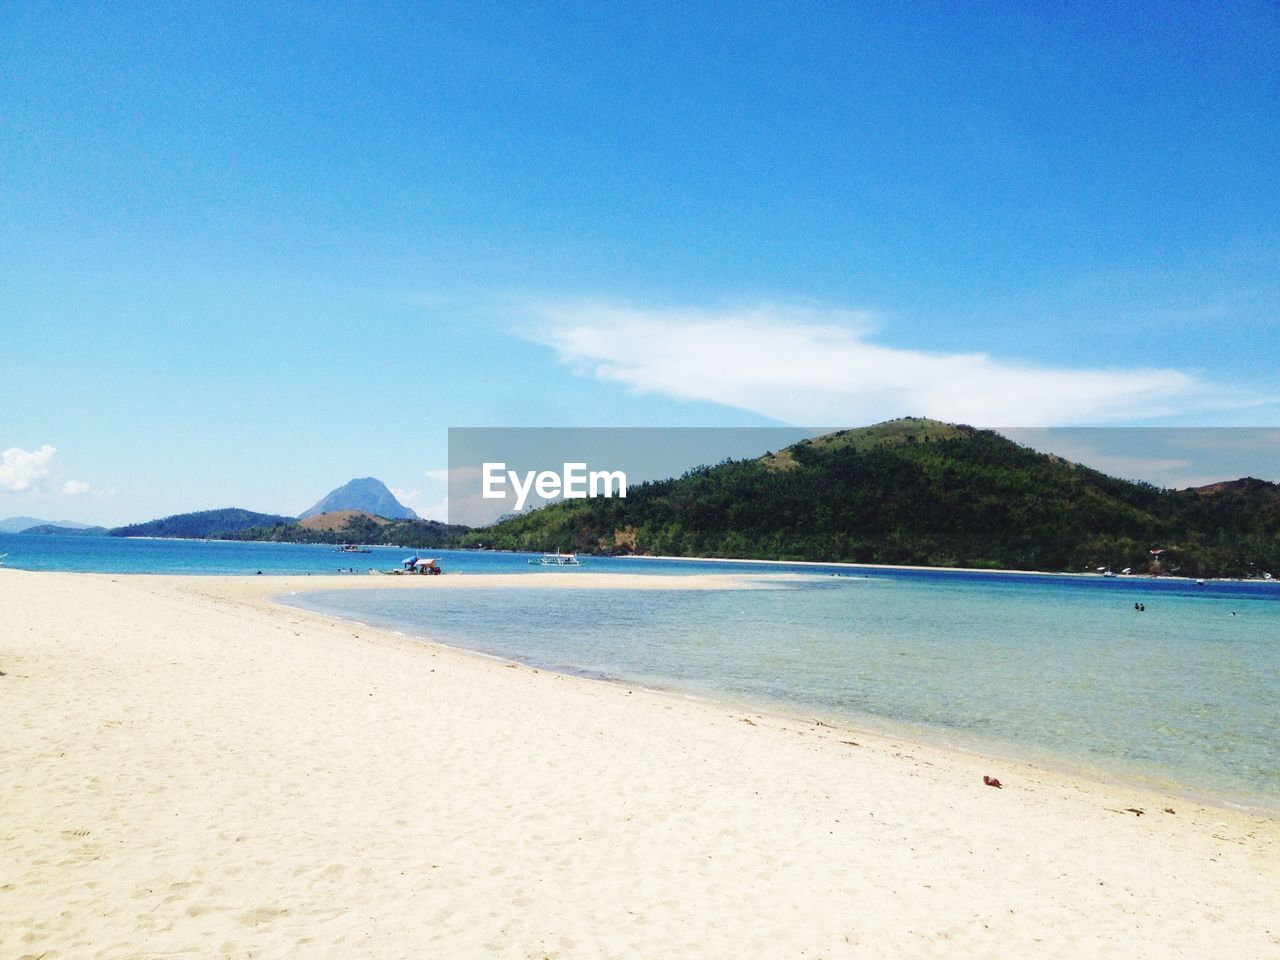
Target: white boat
point(557, 559)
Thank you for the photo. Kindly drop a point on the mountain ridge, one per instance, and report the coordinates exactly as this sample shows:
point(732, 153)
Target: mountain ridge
point(58, 530)
point(918, 492)
point(199, 524)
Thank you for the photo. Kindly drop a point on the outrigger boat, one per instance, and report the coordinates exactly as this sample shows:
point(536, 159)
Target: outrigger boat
point(557, 559)
point(351, 548)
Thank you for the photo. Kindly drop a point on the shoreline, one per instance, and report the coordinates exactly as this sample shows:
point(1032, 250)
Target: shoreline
point(818, 564)
point(843, 564)
point(193, 765)
point(984, 749)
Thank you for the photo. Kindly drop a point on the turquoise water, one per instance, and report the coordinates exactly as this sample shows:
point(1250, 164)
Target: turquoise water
point(1058, 668)
point(1185, 696)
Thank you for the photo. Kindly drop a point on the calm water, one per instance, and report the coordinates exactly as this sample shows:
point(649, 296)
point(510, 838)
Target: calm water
point(1186, 694)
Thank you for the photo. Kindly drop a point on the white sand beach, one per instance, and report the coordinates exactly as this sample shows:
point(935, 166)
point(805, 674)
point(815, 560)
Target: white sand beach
point(191, 770)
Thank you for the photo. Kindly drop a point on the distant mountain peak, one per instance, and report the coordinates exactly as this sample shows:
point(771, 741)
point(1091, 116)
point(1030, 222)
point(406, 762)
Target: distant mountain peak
point(365, 494)
point(901, 430)
point(1233, 486)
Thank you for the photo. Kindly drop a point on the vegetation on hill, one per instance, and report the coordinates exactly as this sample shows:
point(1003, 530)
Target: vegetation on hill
point(908, 491)
point(201, 524)
point(338, 519)
point(918, 492)
point(347, 526)
point(23, 524)
point(57, 530)
point(360, 528)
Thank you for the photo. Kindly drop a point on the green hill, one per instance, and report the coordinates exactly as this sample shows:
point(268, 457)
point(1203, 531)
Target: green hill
point(57, 530)
point(915, 491)
point(203, 523)
point(357, 527)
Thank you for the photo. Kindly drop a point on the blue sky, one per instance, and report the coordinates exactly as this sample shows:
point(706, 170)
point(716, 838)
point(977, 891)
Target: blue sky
point(253, 251)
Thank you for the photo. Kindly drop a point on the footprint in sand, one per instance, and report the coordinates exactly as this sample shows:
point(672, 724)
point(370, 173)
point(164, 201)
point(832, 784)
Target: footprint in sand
point(260, 915)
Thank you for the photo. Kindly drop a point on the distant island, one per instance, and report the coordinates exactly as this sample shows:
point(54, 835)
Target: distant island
point(909, 491)
point(27, 524)
point(362, 511)
point(64, 530)
point(201, 524)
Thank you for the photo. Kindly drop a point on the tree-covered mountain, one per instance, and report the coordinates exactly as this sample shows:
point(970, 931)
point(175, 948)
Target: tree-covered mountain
point(357, 527)
point(203, 523)
point(366, 494)
point(59, 530)
point(917, 491)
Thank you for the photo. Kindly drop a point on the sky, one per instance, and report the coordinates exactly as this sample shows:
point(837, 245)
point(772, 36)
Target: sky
point(252, 251)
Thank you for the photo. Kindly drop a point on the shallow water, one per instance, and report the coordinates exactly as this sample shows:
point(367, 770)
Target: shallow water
point(1184, 695)
point(1058, 668)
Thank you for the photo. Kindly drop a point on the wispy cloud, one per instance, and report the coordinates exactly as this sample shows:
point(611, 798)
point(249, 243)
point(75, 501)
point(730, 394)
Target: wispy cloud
point(822, 366)
point(428, 506)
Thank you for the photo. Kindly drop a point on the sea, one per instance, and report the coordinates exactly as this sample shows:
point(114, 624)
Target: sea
point(1181, 694)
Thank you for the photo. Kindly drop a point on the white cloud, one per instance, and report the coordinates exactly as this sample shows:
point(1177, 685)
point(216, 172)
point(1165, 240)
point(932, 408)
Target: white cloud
point(35, 474)
point(445, 475)
point(418, 502)
point(819, 367)
point(435, 511)
point(440, 478)
point(26, 471)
